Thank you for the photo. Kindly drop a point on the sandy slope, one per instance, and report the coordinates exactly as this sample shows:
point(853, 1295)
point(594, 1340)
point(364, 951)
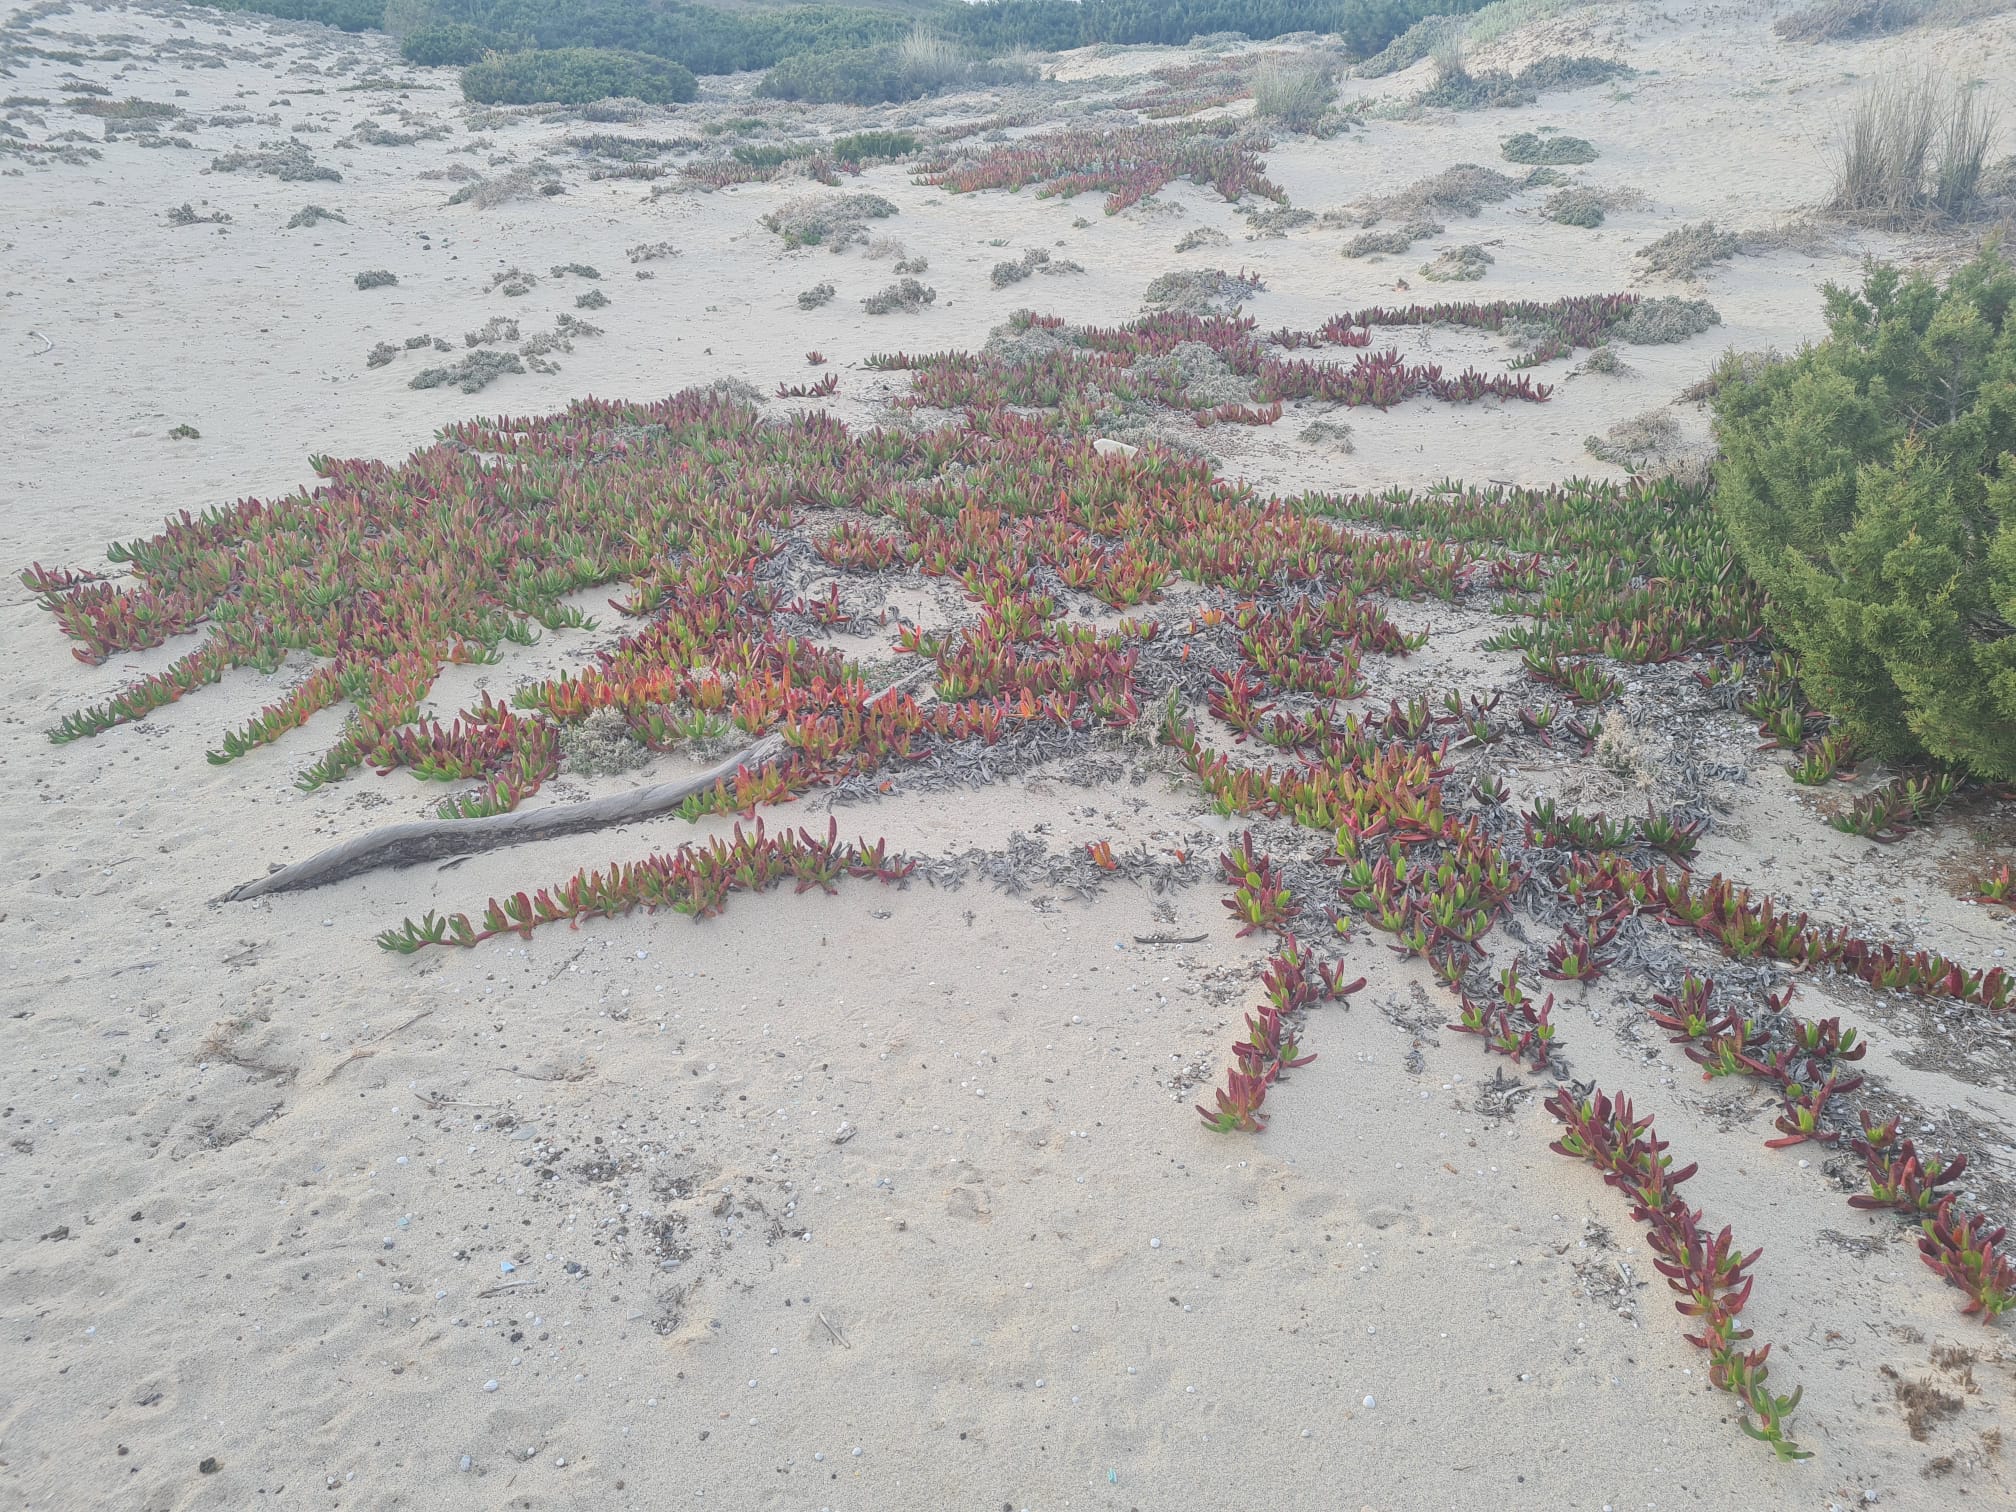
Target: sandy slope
point(892, 1199)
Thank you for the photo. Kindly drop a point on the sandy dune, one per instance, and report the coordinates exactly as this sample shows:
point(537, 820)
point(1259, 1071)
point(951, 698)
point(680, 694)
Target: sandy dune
point(892, 1199)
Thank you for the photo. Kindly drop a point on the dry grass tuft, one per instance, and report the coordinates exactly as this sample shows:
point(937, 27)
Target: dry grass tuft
point(1682, 254)
point(1912, 149)
point(1295, 92)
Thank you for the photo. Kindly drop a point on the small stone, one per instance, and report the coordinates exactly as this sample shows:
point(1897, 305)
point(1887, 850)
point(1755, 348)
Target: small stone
point(1370, 1402)
point(466, 1465)
point(1154, 1244)
point(492, 1386)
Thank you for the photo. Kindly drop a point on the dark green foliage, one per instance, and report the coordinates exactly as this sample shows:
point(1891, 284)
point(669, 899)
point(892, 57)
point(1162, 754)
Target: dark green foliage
point(451, 46)
point(709, 40)
point(770, 154)
point(1870, 487)
point(1052, 25)
point(575, 76)
point(344, 15)
point(864, 146)
point(854, 76)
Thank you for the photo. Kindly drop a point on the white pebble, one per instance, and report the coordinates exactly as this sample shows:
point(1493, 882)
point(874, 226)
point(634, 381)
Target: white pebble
point(489, 1385)
point(1370, 1402)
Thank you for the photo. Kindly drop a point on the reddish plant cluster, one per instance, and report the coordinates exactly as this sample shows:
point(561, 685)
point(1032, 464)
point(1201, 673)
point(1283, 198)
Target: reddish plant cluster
point(1961, 1247)
point(818, 389)
point(1704, 1268)
point(1128, 163)
point(1294, 981)
point(695, 880)
point(1510, 1022)
point(1801, 1057)
point(1101, 366)
point(1582, 320)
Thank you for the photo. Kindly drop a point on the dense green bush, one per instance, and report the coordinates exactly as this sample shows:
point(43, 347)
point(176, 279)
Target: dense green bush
point(862, 146)
point(345, 15)
point(575, 76)
point(449, 46)
point(708, 39)
point(1870, 486)
point(852, 76)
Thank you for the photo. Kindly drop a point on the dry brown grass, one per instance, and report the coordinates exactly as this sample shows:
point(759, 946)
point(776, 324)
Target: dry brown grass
point(1912, 149)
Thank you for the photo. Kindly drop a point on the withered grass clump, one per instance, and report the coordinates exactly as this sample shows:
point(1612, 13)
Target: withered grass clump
point(1205, 291)
point(814, 297)
point(1634, 442)
point(833, 220)
point(472, 374)
point(376, 278)
point(1035, 260)
point(1458, 265)
point(1392, 240)
point(602, 745)
point(1682, 254)
point(527, 182)
point(1464, 189)
point(1655, 322)
point(907, 295)
point(289, 161)
point(309, 215)
point(1912, 149)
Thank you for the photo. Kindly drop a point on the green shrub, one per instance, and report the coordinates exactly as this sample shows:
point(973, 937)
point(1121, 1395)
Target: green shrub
point(575, 76)
point(855, 76)
point(1530, 147)
point(1870, 486)
point(345, 15)
point(1574, 207)
point(450, 46)
point(864, 146)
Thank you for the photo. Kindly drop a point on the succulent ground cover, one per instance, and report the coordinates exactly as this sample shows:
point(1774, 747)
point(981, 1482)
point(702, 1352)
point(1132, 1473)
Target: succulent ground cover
point(1109, 595)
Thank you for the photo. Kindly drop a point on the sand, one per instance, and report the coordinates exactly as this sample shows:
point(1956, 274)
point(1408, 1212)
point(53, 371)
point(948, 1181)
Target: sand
point(891, 1199)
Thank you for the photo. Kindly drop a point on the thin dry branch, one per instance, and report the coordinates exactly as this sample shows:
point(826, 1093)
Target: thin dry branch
point(419, 841)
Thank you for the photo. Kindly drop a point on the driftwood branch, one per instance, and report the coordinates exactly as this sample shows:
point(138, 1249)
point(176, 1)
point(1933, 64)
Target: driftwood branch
point(423, 840)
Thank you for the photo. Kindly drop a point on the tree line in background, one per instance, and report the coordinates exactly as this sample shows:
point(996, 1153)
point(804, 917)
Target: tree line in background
point(813, 52)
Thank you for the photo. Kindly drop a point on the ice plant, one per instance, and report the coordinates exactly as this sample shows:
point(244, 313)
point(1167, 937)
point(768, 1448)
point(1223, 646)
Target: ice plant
point(1709, 1275)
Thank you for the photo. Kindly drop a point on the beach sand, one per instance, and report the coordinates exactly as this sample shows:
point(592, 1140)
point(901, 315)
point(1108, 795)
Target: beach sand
point(891, 1199)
